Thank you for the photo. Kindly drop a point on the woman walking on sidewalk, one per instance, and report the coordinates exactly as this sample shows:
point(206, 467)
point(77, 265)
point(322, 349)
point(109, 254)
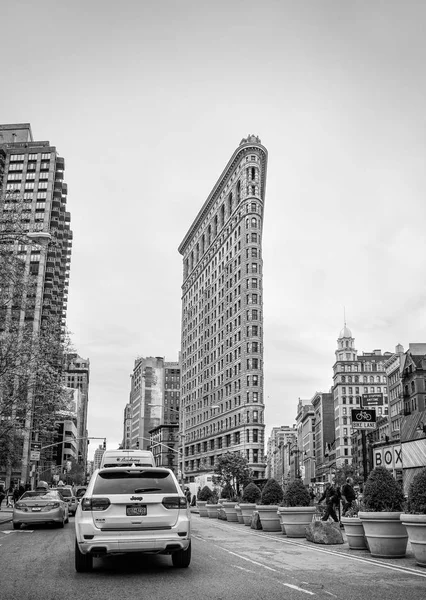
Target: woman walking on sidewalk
point(9, 496)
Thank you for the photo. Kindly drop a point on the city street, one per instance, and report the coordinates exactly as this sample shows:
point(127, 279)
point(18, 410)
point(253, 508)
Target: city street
point(229, 561)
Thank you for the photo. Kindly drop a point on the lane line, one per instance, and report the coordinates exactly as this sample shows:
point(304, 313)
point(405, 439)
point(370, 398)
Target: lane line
point(294, 587)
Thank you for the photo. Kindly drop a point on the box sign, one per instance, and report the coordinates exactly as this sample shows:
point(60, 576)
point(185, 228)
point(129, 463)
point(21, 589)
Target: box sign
point(372, 400)
point(34, 455)
point(389, 457)
point(36, 446)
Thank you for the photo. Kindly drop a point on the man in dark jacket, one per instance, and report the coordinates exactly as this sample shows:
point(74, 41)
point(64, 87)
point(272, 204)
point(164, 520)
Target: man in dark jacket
point(348, 495)
point(332, 499)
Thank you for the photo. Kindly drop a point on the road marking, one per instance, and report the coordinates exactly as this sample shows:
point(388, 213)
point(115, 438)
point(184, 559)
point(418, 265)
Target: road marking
point(243, 569)
point(295, 587)
point(254, 562)
point(6, 531)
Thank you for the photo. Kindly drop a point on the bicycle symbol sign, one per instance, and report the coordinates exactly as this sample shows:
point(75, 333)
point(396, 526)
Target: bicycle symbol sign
point(360, 415)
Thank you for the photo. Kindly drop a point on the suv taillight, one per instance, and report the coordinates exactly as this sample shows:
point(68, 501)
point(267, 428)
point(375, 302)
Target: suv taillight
point(174, 502)
point(95, 503)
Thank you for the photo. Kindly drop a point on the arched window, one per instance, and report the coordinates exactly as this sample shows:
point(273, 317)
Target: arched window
point(209, 235)
point(238, 192)
point(222, 215)
point(254, 222)
point(215, 222)
point(230, 204)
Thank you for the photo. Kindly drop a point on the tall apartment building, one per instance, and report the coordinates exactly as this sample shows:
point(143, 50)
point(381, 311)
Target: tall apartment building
point(354, 376)
point(305, 422)
point(35, 226)
point(154, 398)
point(222, 318)
point(99, 452)
point(32, 190)
point(77, 375)
point(322, 461)
point(393, 368)
point(280, 440)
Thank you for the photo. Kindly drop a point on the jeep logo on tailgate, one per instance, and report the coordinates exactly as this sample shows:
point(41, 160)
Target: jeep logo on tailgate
point(136, 498)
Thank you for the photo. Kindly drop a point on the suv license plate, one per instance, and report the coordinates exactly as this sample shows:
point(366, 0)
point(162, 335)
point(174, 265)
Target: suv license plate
point(136, 511)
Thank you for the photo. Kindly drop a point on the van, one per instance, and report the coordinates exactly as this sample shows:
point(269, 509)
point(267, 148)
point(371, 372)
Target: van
point(127, 458)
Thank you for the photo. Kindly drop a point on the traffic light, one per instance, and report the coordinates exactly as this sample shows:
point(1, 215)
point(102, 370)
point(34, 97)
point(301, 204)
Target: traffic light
point(104, 444)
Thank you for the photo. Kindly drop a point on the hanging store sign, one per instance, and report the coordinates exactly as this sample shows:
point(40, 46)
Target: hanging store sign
point(388, 456)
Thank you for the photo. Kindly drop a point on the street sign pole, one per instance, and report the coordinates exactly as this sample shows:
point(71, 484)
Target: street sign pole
point(364, 454)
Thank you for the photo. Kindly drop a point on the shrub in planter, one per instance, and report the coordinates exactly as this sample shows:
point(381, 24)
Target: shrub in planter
point(271, 497)
point(415, 519)
point(296, 513)
point(417, 494)
point(206, 494)
point(383, 500)
point(353, 528)
point(296, 494)
point(382, 493)
point(228, 492)
point(272, 493)
point(251, 494)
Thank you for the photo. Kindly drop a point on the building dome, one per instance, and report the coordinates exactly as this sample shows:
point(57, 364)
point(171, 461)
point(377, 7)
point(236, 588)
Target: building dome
point(345, 333)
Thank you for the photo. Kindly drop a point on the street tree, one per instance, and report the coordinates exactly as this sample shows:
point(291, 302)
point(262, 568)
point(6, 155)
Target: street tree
point(31, 358)
point(231, 469)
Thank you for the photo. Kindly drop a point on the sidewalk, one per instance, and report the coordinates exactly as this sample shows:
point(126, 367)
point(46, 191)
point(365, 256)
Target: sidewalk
point(5, 515)
point(406, 563)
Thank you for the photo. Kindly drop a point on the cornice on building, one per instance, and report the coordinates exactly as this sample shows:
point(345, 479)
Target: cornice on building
point(221, 182)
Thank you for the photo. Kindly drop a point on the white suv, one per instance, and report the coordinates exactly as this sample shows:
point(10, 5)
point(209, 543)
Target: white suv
point(132, 509)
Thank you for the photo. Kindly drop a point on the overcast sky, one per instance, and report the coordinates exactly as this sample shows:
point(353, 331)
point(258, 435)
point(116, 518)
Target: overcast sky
point(147, 100)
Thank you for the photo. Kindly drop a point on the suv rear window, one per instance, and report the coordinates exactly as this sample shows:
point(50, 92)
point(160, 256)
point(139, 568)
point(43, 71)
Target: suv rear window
point(130, 482)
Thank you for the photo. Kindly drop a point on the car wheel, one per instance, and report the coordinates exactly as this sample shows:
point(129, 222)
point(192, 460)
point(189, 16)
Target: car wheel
point(62, 523)
point(182, 558)
point(83, 562)
point(67, 520)
point(17, 526)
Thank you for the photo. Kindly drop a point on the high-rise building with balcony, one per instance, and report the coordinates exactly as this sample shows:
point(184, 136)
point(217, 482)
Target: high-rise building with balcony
point(222, 318)
point(76, 375)
point(33, 198)
point(154, 399)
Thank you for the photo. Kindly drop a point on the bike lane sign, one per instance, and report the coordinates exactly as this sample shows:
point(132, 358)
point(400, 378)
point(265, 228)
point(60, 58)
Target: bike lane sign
point(363, 418)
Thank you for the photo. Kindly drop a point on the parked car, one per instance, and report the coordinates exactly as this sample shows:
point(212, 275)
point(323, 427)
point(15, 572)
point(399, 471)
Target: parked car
point(68, 496)
point(132, 509)
point(40, 506)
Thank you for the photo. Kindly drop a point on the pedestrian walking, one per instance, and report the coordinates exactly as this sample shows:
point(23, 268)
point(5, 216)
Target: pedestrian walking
point(2, 494)
point(9, 496)
point(332, 499)
point(348, 495)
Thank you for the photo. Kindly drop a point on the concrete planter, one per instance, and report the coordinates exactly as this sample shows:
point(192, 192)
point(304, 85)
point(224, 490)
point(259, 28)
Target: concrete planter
point(294, 519)
point(239, 514)
point(269, 517)
point(386, 535)
point(212, 510)
point(201, 505)
point(247, 512)
point(354, 533)
point(230, 511)
point(416, 529)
